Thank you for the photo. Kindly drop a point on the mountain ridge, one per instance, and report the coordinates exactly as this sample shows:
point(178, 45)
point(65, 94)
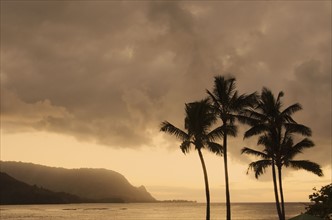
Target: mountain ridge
point(15, 192)
point(93, 183)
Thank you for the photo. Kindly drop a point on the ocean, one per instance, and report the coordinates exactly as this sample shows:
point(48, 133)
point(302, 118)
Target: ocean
point(145, 211)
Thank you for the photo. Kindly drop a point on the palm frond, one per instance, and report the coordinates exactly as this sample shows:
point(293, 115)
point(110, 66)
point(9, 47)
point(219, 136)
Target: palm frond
point(256, 153)
point(216, 133)
point(255, 130)
point(305, 143)
point(298, 128)
point(280, 95)
point(230, 129)
point(259, 167)
point(254, 114)
point(267, 141)
point(215, 148)
point(306, 165)
point(247, 120)
point(230, 83)
point(242, 101)
point(299, 147)
point(287, 119)
point(171, 129)
point(291, 109)
point(185, 146)
point(252, 99)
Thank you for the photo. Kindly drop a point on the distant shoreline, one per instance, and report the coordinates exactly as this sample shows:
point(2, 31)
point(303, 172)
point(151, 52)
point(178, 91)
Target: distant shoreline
point(163, 201)
point(177, 201)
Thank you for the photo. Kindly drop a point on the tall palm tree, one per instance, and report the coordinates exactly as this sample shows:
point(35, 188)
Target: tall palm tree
point(276, 127)
point(228, 104)
point(198, 121)
point(264, 119)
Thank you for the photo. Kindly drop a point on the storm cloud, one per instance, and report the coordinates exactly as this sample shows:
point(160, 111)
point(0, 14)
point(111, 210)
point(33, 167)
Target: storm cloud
point(110, 71)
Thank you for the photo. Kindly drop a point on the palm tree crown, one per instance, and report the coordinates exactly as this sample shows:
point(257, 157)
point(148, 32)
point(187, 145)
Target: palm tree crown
point(287, 153)
point(267, 116)
point(228, 103)
point(198, 121)
point(289, 150)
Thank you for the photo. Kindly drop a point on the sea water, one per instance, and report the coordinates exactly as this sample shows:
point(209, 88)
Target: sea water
point(146, 211)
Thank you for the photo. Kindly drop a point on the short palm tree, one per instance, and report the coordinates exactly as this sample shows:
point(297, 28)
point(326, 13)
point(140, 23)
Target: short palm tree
point(285, 159)
point(228, 104)
point(276, 127)
point(288, 151)
point(198, 121)
point(259, 167)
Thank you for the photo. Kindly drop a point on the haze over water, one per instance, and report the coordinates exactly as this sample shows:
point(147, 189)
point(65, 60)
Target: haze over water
point(146, 211)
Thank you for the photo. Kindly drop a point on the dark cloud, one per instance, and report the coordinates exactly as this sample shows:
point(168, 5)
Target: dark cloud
point(111, 71)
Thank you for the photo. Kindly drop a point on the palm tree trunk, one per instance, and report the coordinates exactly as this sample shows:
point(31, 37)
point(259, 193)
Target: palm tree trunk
point(281, 194)
point(228, 201)
point(279, 176)
point(207, 191)
point(276, 190)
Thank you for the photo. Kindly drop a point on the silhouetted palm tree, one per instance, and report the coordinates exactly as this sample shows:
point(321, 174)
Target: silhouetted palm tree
point(285, 158)
point(198, 121)
point(228, 104)
point(259, 167)
point(263, 119)
point(288, 151)
point(276, 127)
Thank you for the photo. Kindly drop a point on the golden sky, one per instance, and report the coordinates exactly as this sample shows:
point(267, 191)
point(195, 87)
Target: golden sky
point(87, 84)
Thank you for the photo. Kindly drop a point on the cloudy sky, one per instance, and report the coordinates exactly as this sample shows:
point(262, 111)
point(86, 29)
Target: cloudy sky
point(87, 84)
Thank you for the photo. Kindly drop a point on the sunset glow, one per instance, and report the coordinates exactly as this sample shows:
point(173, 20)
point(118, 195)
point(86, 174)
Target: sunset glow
point(87, 84)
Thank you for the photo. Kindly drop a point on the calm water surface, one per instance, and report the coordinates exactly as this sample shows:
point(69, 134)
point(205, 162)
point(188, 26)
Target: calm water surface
point(145, 211)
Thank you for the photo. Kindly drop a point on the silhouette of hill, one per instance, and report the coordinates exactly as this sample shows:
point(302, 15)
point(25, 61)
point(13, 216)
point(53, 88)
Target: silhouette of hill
point(13, 191)
point(100, 185)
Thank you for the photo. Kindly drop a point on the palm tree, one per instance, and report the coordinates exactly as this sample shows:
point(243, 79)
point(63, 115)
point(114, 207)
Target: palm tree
point(264, 119)
point(198, 121)
point(259, 167)
point(228, 104)
point(276, 127)
point(288, 151)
